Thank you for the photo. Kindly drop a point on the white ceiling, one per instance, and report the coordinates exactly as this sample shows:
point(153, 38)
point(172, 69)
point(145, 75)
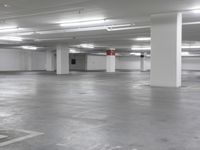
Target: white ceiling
point(44, 15)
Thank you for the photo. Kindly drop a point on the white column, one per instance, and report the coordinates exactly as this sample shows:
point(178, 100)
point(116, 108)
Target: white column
point(62, 54)
point(29, 53)
point(166, 41)
point(50, 61)
point(110, 60)
point(142, 62)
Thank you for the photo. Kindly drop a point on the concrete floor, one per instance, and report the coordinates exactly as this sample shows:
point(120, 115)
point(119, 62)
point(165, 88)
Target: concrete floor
point(99, 111)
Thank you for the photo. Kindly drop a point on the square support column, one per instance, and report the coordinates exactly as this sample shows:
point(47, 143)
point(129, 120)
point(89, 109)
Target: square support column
point(29, 64)
point(62, 54)
point(142, 62)
point(166, 42)
point(110, 60)
point(50, 61)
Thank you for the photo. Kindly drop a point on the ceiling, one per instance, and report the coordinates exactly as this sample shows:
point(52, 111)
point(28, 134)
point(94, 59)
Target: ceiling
point(43, 17)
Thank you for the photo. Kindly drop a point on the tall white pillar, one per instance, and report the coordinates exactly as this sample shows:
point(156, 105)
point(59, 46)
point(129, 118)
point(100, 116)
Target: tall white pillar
point(62, 54)
point(50, 61)
point(110, 60)
point(29, 65)
point(142, 62)
point(166, 41)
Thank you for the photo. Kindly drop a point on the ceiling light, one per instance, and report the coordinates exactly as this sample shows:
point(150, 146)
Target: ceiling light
point(197, 11)
point(127, 28)
point(136, 54)
point(119, 25)
point(73, 51)
point(136, 48)
point(30, 47)
point(191, 23)
point(143, 39)
point(91, 46)
point(71, 30)
point(9, 29)
point(11, 38)
point(191, 47)
point(185, 54)
point(82, 23)
point(25, 33)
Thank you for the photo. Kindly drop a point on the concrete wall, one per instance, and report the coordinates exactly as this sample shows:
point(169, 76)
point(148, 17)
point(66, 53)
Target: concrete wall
point(95, 63)
point(191, 63)
point(131, 63)
point(81, 61)
point(20, 60)
point(38, 60)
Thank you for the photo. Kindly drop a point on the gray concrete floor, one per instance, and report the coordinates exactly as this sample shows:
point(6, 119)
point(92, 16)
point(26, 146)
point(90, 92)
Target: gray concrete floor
point(99, 111)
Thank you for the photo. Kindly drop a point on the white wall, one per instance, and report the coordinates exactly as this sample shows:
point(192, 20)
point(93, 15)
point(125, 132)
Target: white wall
point(191, 63)
point(96, 62)
point(38, 60)
point(122, 63)
point(80, 62)
point(12, 60)
point(21, 60)
point(131, 63)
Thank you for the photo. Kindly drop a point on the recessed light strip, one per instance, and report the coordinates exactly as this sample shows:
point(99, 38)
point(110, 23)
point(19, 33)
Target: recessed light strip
point(29, 47)
point(81, 23)
point(191, 23)
point(138, 48)
point(143, 39)
point(127, 28)
point(11, 38)
point(90, 46)
point(9, 29)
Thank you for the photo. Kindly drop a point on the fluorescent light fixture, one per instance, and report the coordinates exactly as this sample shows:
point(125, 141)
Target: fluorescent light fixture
point(136, 54)
point(91, 46)
point(25, 33)
point(11, 38)
point(143, 39)
point(71, 30)
point(30, 47)
point(191, 47)
point(82, 23)
point(127, 28)
point(119, 26)
point(191, 23)
point(73, 51)
point(9, 29)
point(185, 54)
point(196, 11)
point(138, 48)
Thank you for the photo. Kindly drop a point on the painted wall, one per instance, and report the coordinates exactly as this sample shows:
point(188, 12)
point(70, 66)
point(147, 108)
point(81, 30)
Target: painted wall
point(20, 60)
point(38, 60)
point(12, 60)
point(191, 63)
point(131, 63)
point(81, 61)
point(95, 62)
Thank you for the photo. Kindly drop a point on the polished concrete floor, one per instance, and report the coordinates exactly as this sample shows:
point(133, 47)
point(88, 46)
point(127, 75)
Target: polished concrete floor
point(100, 111)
